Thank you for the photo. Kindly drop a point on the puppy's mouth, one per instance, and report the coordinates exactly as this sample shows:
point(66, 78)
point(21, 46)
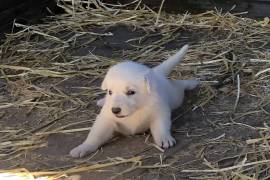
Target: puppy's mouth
point(120, 116)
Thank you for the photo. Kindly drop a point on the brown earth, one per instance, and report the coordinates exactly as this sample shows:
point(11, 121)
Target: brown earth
point(211, 133)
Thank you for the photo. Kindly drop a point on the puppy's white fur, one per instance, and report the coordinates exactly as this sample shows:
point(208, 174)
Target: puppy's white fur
point(146, 98)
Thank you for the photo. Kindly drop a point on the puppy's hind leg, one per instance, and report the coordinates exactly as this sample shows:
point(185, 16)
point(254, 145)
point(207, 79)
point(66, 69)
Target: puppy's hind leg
point(100, 133)
point(186, 84)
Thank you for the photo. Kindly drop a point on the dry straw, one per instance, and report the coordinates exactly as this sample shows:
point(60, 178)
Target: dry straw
point(231, 48)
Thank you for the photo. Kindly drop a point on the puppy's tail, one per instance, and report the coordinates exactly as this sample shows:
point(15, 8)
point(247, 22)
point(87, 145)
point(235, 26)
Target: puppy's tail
point(167, 66)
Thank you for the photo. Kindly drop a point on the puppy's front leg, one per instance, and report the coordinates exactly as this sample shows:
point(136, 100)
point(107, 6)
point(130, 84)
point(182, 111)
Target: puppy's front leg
point(101, 132)
point(161, 129)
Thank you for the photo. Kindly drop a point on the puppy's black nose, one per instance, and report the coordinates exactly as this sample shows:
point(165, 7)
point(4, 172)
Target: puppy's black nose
point(116, 110)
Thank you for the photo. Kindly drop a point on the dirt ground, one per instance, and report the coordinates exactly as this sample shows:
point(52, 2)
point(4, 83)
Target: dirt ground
point(213, 134)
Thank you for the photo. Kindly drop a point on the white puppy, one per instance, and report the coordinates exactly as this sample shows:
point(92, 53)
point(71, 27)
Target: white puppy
point(138, 98)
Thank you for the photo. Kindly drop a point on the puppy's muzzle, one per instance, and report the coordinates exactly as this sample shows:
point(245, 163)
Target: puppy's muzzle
point(116, 110)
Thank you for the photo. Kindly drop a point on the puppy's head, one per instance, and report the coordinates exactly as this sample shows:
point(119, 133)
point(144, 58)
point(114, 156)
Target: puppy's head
point(128, 86)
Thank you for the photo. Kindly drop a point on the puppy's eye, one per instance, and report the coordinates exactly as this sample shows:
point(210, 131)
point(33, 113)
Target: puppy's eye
point(110, 92)
point(130, 92)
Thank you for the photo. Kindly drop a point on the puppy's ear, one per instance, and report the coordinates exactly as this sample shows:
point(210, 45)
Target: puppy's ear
point(101, 102)
point(148, 81)
point(104, 83)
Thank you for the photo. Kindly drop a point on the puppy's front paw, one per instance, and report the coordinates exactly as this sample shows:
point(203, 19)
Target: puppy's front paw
point(81, 150)
point(165, 141)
